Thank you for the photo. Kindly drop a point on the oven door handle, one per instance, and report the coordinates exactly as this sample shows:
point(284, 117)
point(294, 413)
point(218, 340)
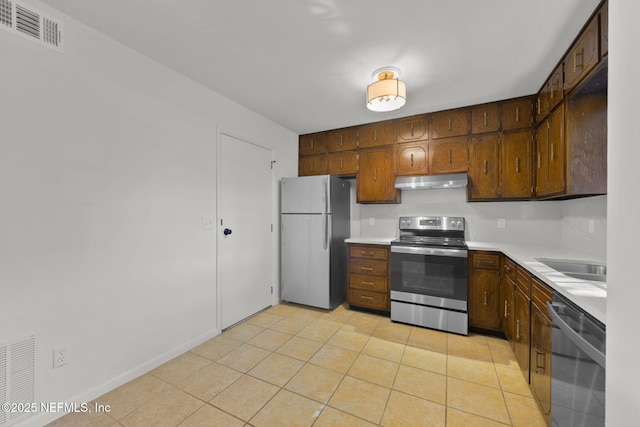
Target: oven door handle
point(459, 253)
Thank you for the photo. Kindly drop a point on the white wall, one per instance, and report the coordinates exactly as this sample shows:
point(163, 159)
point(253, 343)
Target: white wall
point(623, 346)
point(107, 165)
point(548, 222)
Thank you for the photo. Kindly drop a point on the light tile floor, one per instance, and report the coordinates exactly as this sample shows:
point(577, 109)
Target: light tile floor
point(292, 365)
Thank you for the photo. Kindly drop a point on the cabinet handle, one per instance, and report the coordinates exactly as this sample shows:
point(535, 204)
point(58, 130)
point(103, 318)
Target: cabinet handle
point(341, 140)
point(552, 91)
point(411, 130)
point(375, 175)
point(312, 145)
point(539, 353)
point(507, 268)
point(366, 268)
point(553, 151)
point(450, 158)
point(539, 161)
point(518, 330)
point(505, 309)
point(486, 167)
point(485, 119)
point(449, 124)
point(340, 163)
point(364, 282)
point(412, 160)
point(311, 166)
point(538, 105)
point(365, 297)
point(369, 253)
point(517, 114)
point(485, 299)
point(517, 164)
point(375, 134)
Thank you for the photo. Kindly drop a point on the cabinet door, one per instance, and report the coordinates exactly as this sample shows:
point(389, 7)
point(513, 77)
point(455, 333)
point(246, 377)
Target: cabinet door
point(556, 154)
point(312, 165)
point(540, 362)
point(517, 114)
point(484, 157)
point(343, 163)
point(412, 159)
point(556, 92)
point(516, 164)
point(582, 56)
point(485, 118)
point(342, 139)
point(411, 129)
point(375, 182)
point(542, 102)
point(522, 332)
point(376, 134)
point(450, 123)
point(484, 297)
point(313, 143)
point(507, 298)
point(449, 155)
point(604, 29)
point(542, 158)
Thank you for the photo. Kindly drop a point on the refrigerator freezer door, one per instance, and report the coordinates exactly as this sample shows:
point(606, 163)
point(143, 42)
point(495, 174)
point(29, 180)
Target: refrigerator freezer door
point(305, 259)
point(308, 194)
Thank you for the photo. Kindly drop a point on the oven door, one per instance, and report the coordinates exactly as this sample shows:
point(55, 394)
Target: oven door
point(429, 276)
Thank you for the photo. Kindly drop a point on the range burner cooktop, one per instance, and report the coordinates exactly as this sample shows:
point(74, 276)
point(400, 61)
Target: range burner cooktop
point(434, 231)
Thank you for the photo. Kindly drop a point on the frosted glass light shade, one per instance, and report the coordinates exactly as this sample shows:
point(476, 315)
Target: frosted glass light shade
point(387, 94)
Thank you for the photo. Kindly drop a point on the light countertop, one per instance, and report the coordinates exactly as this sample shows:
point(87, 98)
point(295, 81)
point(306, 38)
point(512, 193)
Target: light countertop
point(590, 296)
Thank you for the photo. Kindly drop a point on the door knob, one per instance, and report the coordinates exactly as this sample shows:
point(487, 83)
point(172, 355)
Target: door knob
point(227, 231)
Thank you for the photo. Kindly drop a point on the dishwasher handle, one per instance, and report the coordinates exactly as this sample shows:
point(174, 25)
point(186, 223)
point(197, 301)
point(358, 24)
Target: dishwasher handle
point(595, 354)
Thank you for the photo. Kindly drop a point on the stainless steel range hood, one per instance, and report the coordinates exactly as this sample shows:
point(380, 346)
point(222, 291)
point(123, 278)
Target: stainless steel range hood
point(427, 182)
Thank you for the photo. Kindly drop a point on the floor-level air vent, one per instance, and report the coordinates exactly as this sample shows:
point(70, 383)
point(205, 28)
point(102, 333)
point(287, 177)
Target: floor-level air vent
point(27, 22)
point(17, 378)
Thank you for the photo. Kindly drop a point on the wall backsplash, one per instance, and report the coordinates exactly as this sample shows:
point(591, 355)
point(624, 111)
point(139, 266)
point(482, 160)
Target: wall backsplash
point(546, 222)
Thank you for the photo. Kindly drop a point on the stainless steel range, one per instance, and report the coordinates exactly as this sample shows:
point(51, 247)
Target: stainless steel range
point(429, 273)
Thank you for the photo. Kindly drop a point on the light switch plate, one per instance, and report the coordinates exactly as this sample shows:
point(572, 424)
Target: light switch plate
point(502, 223)
point(207, 223)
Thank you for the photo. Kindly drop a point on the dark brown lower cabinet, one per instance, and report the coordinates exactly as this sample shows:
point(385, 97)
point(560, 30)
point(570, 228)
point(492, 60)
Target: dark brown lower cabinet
point(540, 363)
point(484, 290)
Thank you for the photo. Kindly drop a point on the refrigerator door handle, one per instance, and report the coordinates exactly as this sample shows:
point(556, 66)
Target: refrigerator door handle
point(325, 240)
point(325, 197)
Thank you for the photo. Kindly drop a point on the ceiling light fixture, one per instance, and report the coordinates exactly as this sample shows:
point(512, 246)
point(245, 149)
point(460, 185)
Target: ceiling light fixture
point(387, 92)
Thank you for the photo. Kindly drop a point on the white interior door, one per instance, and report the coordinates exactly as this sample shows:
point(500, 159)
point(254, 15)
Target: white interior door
point(245, 256)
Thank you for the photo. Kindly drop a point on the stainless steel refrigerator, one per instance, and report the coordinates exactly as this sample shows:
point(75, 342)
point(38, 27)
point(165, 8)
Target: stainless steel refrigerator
point(315, 221)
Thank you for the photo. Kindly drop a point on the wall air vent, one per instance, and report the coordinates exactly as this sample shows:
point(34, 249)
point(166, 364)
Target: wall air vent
point(27, 22)
point(18, 377)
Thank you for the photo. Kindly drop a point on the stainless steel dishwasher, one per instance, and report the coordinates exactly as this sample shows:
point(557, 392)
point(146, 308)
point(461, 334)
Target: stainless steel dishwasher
point(577, 366)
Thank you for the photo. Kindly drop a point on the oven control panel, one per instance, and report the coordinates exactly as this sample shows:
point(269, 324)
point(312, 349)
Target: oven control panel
point(432, 223)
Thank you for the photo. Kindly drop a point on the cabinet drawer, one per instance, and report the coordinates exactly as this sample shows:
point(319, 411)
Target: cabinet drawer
point(484, 260)
point(371, 252)
point(375, 300)
point(368, 266)
point(509, 268)
point(523, 280)
point(540, 294)
point(368, 283)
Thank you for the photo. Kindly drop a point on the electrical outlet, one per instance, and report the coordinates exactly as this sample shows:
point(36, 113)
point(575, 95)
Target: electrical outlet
point(592, 226)
point(372, 221)
point(61, 356)
point(207, 223)
point(502, 223)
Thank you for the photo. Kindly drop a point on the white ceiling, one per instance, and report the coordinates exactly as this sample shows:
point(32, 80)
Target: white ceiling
point(305, 64)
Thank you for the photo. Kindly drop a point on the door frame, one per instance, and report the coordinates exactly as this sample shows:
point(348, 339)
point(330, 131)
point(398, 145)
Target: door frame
point(275, 237)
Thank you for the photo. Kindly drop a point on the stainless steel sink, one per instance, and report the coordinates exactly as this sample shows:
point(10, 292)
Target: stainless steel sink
point(577, 269)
